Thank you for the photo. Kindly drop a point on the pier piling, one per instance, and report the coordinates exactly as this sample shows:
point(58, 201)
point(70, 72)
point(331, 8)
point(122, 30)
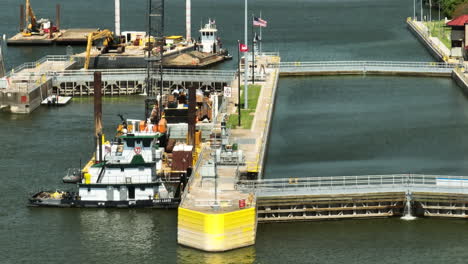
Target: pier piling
point(22, 18)
point(98, 113)
point(57, 16)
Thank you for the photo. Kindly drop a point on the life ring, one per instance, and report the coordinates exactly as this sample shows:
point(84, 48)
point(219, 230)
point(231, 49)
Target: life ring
point(137, 150)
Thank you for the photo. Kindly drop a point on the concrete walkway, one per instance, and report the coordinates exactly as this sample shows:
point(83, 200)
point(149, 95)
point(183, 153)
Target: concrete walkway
point(200, 193)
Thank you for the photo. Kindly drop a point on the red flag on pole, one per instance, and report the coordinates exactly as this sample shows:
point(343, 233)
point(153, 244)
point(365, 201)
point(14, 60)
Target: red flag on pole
point(243, 47)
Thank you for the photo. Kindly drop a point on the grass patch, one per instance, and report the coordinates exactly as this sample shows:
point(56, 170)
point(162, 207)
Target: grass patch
point(247, 115)
point(440, 31)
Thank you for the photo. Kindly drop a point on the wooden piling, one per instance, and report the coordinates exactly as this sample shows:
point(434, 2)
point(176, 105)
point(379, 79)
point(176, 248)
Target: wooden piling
point(98, 113)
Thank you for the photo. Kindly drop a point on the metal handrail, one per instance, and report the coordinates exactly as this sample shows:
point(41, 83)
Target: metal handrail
point(30, 65)
point(300, 64)
point(16, 72)
point(195, 172)
point(113, 72)
point(359, 181)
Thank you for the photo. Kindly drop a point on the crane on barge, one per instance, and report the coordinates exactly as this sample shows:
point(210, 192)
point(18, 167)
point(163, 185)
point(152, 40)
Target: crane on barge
point(107, 42)
point(34, 26)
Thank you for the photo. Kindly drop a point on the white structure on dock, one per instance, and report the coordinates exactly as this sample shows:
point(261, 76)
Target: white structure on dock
point(188, 21)
point(117, 17)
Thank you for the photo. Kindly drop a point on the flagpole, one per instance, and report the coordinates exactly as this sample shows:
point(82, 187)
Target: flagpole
point(261, 38)
point(253, 52)
point(238, 84)
point(246, 62)
point(421, 10)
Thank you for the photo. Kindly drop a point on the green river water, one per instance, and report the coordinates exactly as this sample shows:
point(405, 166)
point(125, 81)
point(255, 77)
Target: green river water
point(321, 126)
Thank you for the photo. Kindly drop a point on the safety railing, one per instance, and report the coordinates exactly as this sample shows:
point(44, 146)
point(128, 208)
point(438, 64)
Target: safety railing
point(225, 76)
point(355, 182)
point(228, 204)
point(228, 74)
point(32, 65)
point(124, 180)
point(389, 64)
point(196, 170)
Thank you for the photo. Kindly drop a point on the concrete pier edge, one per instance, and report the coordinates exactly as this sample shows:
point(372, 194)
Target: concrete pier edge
point(217, 228)
point(423, 38)
point(458, 74)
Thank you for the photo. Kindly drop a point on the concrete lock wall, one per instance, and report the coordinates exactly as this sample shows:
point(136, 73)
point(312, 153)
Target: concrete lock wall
point(216, 232)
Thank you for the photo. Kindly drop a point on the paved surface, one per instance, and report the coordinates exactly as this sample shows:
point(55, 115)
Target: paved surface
point(200, 194)
point(33, 74)
point(256, 134)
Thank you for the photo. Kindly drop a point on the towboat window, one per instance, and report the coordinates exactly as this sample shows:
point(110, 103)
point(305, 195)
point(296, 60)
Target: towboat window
point(122, 169)
point(147, 142)
point(130, 142)
point(141, 168)
point(142, 188)
point(138, 141)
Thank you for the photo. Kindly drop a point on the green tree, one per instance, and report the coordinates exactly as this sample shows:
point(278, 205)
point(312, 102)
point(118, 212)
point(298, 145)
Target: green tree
point(449, 6)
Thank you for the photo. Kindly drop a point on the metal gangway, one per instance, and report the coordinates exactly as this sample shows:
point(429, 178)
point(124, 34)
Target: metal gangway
point(139, 74)
point(58, 67)
point(327, 185)
point(67, 80)
point(367, 67)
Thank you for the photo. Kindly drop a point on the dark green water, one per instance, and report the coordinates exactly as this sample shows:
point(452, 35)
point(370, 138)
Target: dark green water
point(322, 126)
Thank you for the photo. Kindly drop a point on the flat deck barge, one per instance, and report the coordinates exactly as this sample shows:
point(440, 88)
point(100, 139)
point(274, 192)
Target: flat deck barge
point(181, 57)
point(64, 37)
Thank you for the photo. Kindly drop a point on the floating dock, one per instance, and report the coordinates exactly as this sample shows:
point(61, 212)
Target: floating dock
point(73, 36)
point(25, 87)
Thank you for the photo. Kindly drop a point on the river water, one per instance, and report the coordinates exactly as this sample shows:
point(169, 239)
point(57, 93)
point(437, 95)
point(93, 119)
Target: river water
point(321, 126)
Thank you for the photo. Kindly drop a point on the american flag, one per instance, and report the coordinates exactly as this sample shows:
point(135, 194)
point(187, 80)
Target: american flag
point(259, 22)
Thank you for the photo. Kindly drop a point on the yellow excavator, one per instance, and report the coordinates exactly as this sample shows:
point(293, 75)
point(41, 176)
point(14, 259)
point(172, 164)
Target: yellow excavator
point(34, 26)
point(105, 42)
point(31, 22)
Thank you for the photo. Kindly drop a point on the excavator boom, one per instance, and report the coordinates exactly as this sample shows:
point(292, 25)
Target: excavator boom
point(30, 17)
point(105, 34)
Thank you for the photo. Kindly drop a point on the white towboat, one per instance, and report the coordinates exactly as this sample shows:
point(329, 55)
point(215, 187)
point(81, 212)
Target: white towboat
point(125, 172)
